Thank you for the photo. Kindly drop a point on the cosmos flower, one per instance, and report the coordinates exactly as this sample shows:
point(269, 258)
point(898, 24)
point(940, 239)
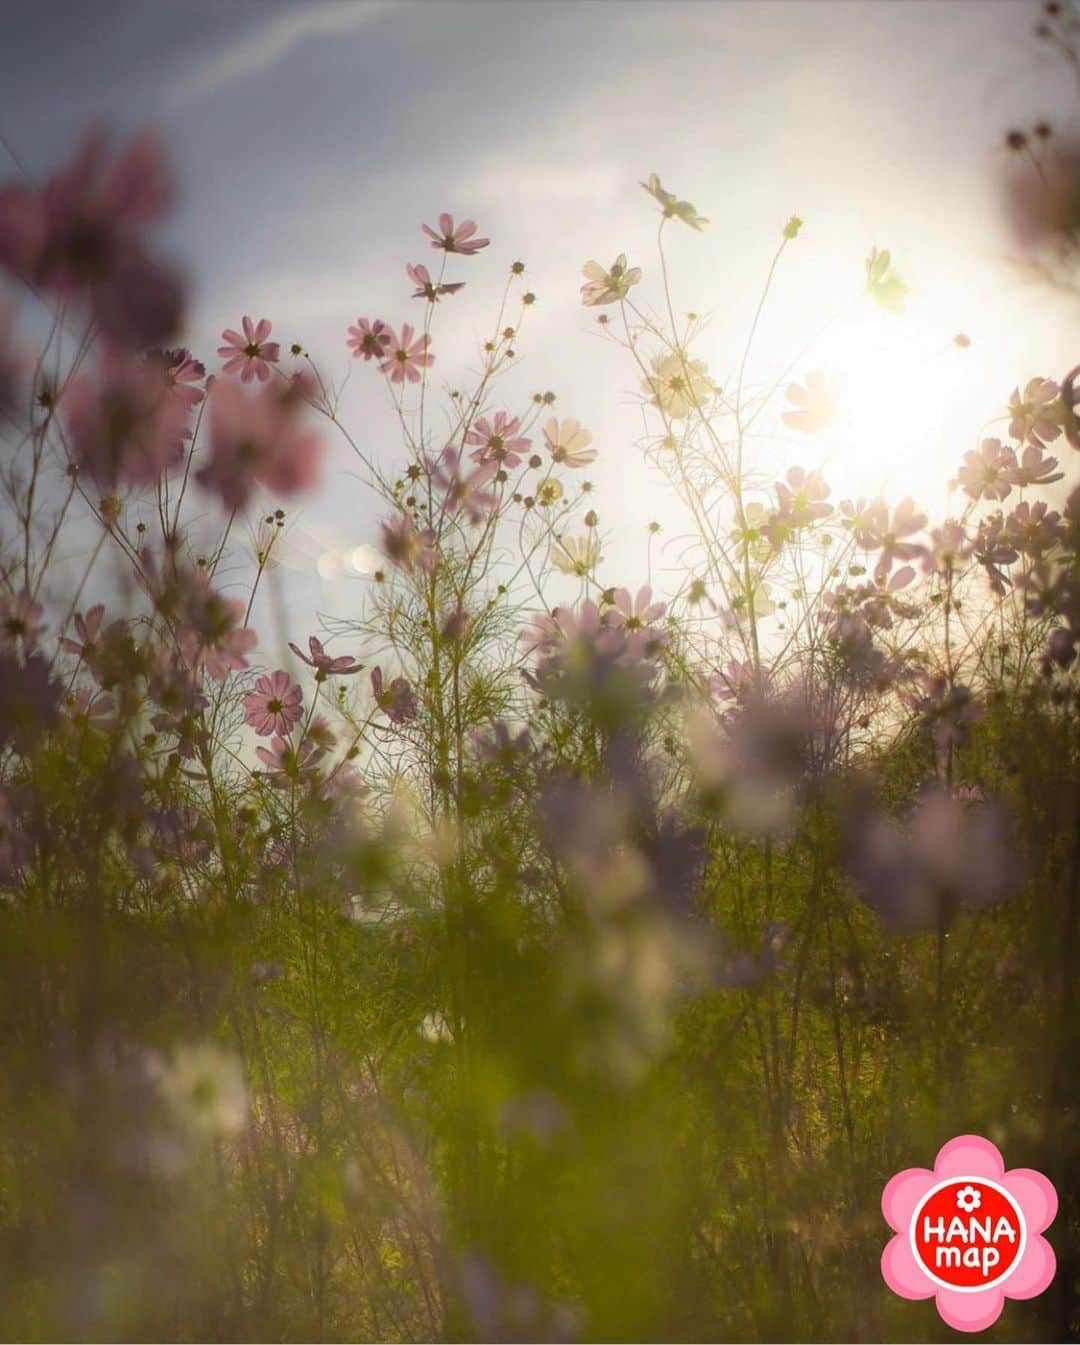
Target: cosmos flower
point(987, 472)
point(260, 438)
point(86, 628)
point(325, 665)
point(125, 426)
point(815, 403)
point(407, 357)
point(671, 206)
point(678, 385)
point(498, 440)
point(369, 340)
point(82, 237)
point(428, 289)
point(212, 637)
point(1036, 415)
point(251, 354)
point(610, 286)
point(568, 443)
point(451, 239)
point(274, 705)
point(20, 622)
point(467, 494)
point(637, 616)
point(205, 1090)
point(406, 546)
point(396, 701)
point(1033, 469)
point(576, 555)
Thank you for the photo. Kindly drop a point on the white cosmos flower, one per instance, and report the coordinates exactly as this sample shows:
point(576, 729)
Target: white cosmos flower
point(568, 443)
point(607, 287)
point(576, 555)
point(678, 385)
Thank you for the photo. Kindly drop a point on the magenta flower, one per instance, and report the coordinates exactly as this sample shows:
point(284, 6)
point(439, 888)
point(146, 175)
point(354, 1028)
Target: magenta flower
point(250, 355)
point(498, 440)
point(968, 1234)
point(259, 438)
point(428, 289)
point(125, 427)
point(396, 701)
point(369, 340)
point(407, 357)
point(324, 664)
point(459, 240)
point(20, 622)
point(82, 235)
point(274, 705)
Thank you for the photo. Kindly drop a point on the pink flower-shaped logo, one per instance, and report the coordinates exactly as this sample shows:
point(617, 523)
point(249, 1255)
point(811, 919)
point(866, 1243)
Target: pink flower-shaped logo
point(968, 1233)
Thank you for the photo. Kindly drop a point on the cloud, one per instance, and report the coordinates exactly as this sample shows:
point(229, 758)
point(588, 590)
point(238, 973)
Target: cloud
point(261, 48)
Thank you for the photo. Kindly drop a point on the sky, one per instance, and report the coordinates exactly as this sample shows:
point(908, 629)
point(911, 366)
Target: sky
point(311, 139)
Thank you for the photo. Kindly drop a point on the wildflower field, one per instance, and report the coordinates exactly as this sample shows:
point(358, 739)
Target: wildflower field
point(569, 936)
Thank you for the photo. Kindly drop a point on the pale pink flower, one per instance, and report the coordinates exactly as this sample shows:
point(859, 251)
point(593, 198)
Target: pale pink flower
point(290, 764)
point(459, 240)
point(498, 440)
point(212, 636)
point(407, 357)
point(86, 628)
point(260, 438)
point(274, 705)
point(1034, 469)
point(180, 372)
point(326, 665)
point(249, 355)
point(1036, 415)
point(464, 494)
point(407, 547)
point(815, 403)
point(125, 427)
point(568, 443)
point(988, 471)
point(396, 701)
point(428, 289)
point(369, 340)
point(637, 618)
point(20, 622)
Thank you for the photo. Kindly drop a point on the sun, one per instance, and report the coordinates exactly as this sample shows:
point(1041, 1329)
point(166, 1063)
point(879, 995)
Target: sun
point(903, 387)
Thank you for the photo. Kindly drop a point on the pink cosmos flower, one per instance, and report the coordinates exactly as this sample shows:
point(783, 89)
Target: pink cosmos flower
point(212, 636)
point(969, 1171)
point(459, 240)
point(82, 235)
point(326, 665)
point(636, 617)
point(288, 764)
point(1036, 414)
point(274, 705)
point(988, 471)
point(20, 622)
point(464, 494)
point(180, 372)
point(407, 547)
point(407, 357)
point(498, 440)
point(260, 438)
point(249, 355)
point(428, 289)
point(815, 403)
point(887, 535)
point(86, 628)
point(396, 701)
point(125, 427)
point(369, 340)
point(1034, 469)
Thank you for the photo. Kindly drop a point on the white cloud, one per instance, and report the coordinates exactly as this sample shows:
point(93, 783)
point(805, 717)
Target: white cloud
point(261, 48)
